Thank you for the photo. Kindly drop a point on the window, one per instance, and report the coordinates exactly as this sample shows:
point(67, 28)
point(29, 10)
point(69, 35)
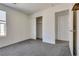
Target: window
point(2, 23)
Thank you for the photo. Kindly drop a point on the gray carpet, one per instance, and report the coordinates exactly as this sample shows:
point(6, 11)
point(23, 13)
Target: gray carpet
point(36, 48)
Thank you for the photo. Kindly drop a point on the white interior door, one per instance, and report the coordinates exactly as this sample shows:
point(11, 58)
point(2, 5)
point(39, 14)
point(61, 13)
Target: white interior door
point(62, 26)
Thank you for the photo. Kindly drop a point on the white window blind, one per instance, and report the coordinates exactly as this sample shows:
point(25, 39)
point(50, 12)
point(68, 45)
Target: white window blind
point(2, 23)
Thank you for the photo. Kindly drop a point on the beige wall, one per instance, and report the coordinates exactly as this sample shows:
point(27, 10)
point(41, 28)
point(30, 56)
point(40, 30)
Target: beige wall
point(18, 26)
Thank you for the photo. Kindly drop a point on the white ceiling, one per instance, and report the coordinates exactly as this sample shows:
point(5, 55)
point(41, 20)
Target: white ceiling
point(29, 8)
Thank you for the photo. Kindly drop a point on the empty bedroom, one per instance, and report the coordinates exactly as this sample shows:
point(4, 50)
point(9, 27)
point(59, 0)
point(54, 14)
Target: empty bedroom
point(36, 29)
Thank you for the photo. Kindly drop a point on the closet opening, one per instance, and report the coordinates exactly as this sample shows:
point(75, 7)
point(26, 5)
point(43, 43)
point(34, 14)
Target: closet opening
point(39, 27)
point(62, 26)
